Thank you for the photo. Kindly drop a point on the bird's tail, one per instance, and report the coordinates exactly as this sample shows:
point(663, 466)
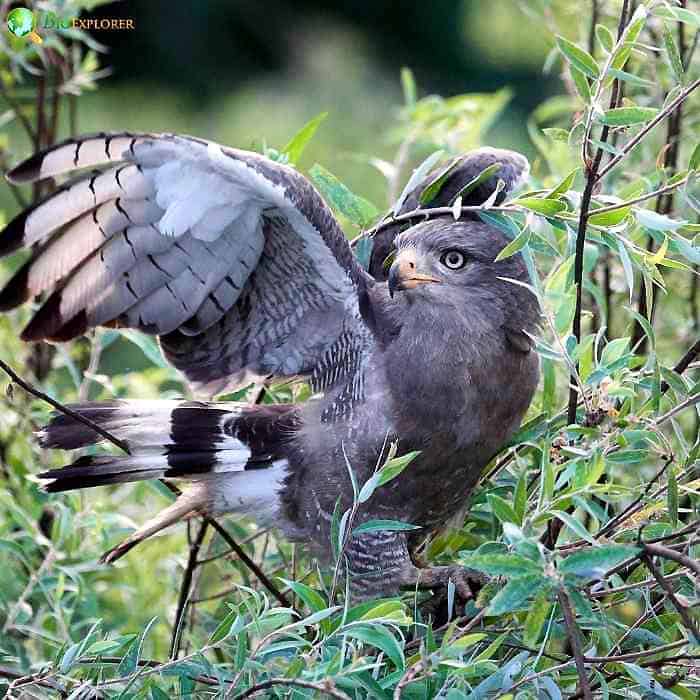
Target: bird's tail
point(191, 440)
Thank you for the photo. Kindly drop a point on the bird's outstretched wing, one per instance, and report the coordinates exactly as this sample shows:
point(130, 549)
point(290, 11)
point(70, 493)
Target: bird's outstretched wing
point(459, 177)
point(232, 259)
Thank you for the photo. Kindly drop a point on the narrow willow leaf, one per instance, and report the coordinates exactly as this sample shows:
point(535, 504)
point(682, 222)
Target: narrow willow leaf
point(628, 116)
point(300, 140)
point(131, 659)
point(408, 85)
point(605, 37)
point(502, 509)
point(395, 466)
point(516, 245)
point(626, 266)
point(384, 526)
point(630, 78)
point(548, 207)
point(581, 84)
point(674, 56)
point(363, 250)
point(502, 564)
point(515, 593)
point(609, 218)
point(578, 57)
point(536, 617)
point(596, 561)
point(432, 189)
point(564, 186)
point(416, 178)
point(520, 496)
point(148, 346)
point(694, 162)
point(313, 599)
point(379, 637)
point(355, 208)
point(679, 14)
point(482, 177)
point(660, 254)
point(574, 525)
point(231, 624)
point(672, 496)
point(658, 222)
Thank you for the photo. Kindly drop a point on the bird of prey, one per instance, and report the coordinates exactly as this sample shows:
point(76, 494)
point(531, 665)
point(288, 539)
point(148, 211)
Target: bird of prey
point(238, 266)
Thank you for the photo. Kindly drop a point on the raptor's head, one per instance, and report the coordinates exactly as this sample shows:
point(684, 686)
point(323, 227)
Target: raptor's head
point(447, 263)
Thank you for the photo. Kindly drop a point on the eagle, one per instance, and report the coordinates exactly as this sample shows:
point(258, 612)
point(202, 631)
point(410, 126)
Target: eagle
point(243, 273)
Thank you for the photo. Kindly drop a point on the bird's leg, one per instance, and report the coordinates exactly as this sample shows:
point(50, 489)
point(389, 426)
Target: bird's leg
point(439, 576)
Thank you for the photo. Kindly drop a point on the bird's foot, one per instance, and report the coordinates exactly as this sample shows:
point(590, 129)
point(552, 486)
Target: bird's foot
point(440, 576)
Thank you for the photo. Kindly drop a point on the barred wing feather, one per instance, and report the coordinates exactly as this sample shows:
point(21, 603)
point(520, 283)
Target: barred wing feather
point(232, 259)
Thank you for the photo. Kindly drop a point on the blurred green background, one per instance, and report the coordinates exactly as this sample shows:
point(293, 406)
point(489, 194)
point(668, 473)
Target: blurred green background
point(243, 72)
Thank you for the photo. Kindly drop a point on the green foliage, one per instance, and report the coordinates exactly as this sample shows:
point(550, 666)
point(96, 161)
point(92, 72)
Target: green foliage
point(622, 473)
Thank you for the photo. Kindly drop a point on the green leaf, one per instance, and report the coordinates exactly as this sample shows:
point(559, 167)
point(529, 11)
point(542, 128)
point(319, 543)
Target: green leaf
point(312, 598)
point(626, 266)
point(595, 562)
point(578, 57)
point(231, 624)
point(362, 247)
point(501, 564)
point(515, 593)
point(658, 222)
point(109, 646)
point(148, 346)
point(581, 84)
point(609, 218)
point(432, 189)
point(408, 85)
point(502, 509)
point(574, 525)
point(416, 178)
point(299, 141)
point(628, 116)
point(536, 617)
point(672, 496)
point(379, 637)
point(547, 207)
point(131, 659)
point(355, 208)
point(614, 350)
point(384, 526)
point(484, 176)
point(605, 37)
point(395, 466)
point(389, 471)
point(516, 245)
point(674, 57)
point(564, 186)
point(694, 162)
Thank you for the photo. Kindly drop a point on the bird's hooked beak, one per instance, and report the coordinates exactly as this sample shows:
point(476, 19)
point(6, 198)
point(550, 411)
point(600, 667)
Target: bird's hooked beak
point(404, 273)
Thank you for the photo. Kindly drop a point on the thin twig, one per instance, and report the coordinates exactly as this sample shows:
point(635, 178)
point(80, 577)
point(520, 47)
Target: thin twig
point(249, 563)
point(575, 643)
point(185, 585)
point(635, 140)
point(63, 409)
point(326, 686)
point(659, 550)
point(668, 588)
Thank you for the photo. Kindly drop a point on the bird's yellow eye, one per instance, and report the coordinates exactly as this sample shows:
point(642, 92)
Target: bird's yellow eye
point(453, 259)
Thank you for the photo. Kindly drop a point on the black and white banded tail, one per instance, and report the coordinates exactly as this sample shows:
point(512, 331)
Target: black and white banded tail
point(233, 454)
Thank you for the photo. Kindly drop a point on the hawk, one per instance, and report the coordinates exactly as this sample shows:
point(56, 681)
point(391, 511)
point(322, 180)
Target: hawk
point(240, 269)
